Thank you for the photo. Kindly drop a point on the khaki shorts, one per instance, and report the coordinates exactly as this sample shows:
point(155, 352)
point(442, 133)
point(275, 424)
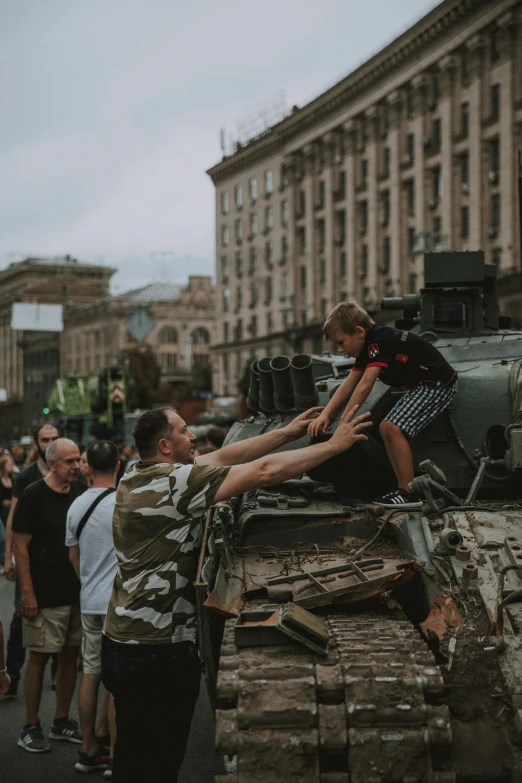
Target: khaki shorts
point(53, 628)
point(91, 646)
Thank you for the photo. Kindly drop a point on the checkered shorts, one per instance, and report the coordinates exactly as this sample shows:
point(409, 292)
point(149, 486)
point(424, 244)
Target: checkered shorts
point(420, 405)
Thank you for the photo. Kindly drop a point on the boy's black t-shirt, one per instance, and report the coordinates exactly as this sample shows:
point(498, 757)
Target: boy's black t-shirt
point(42, 513)
point(405, 358)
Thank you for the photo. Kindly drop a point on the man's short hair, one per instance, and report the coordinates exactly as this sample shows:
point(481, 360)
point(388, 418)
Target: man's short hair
point(150, 427)
point(102, 456)
point(216, 436)
point(346, 317)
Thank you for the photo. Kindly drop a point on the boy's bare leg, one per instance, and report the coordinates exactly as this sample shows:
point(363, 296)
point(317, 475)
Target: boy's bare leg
point(399, 453)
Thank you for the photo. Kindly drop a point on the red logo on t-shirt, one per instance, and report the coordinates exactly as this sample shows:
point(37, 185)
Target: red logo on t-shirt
point(401, 357)
point(373, 350)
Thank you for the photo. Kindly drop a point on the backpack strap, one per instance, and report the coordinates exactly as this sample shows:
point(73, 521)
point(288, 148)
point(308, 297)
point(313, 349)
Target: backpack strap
point(84, 519)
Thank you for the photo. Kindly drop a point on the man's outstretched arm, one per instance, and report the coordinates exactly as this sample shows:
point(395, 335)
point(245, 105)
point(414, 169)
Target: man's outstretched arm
point(255, 448)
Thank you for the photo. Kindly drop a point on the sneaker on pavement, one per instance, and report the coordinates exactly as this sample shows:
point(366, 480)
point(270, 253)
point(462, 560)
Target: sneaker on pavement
point(32, 739)
point(399, 499)
point(66, 729)
point(108, 772)
point(99, 760)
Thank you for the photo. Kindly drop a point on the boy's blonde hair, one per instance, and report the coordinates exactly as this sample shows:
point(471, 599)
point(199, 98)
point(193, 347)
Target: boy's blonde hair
point(345, 317)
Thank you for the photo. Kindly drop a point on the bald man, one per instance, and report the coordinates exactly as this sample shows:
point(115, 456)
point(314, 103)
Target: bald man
point(50, 592)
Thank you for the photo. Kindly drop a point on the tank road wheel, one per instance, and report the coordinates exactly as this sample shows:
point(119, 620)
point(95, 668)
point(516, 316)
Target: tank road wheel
point(371, 712)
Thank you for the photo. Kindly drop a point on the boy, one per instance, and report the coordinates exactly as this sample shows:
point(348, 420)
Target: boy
point(398, 358)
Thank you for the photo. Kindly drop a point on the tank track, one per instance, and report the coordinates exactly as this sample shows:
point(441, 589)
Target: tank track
point(371, 712)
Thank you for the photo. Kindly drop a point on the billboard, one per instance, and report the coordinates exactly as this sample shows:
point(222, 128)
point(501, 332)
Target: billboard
point(37, 317)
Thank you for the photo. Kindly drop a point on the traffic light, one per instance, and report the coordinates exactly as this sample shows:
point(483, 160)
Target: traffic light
point(45, 411)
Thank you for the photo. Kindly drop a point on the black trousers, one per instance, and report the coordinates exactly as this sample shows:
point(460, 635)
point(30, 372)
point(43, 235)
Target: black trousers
point(155, 689)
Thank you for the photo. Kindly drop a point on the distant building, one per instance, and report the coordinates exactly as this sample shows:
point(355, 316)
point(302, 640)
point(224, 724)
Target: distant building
point(415, 150)
point(29, 361)
point(176, 321)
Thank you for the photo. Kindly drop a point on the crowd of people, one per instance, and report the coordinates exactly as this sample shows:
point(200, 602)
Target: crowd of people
point(114, 571)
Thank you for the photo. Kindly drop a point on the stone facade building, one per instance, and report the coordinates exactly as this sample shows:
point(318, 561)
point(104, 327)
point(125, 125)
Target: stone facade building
point(30, 361)
point(415, 150)
point(176, 321)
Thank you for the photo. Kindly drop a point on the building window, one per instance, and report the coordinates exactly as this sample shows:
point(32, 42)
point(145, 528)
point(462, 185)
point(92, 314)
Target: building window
point(284, 212)
point(496, 256)
point(224, 202)
point(254, 293)
point(268, 255)
point(410, 197)
point(301, 206)
point(464, 222)
point(239, 264)
point(252, 260)
point(269, 221)
point(319, 204)
point(284, 176)
point(464, 72)
point(224, 236)
point(301, 239)
point(437, 228)
point(386, 256)
point(252, 190)
point(412, 241)
point(253, 225)
point(253, 326)
point(435, 88)
point(495, 211)
point(385, 197)
point(363, 217)
point(412, 283)
point(269, 183)
point(285, 289)
point(436, 133)
point(493, 46)
point(268, 290)
point(494, 156)
point(342, 265)
point(386, 163)
point(320, 235)
point(239, 230)
point(239, 196)
point(495, 101)
point(410, 148)
point(200, 336)
point(464, 169)
point(238, 330)
point(464, 120)
point(436, 182)
point(269, 323)
point(284, 249)
point(322, 272)
point(226, 300)
point(303, 278)
point(340, 227)
point(225, 366)
point(364, 261)
point(409, 104)
point(226, 329)
point(168, 335)
point(225, 269)
point(169, 362)
point(364, 173)
point(239, 298)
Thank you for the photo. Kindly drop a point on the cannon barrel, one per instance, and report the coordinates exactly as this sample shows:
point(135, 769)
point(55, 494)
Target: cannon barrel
point(306, 395)
point(283, 386)
point(266, 386)
point(253, 389)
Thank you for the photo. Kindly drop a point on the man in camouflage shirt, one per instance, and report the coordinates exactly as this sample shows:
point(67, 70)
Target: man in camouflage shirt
point(149, 658)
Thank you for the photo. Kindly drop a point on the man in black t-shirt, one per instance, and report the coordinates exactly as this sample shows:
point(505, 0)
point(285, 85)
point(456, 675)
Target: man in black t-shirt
point(43, 437)
point(398, 358)
point(50, 591)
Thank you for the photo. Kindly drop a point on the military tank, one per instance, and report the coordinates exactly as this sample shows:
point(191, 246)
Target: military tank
point(344, 643)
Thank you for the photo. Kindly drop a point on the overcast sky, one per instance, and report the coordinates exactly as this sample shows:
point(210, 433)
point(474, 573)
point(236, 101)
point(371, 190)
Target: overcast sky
point(111, 111)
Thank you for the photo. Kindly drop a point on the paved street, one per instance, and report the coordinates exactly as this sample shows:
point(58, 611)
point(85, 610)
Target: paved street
point(58, 766)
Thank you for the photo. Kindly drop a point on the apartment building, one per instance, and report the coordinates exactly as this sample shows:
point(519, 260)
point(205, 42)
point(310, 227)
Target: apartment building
point(415, 150)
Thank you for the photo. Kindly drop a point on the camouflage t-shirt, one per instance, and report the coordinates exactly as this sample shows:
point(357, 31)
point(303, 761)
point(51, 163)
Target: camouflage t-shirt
point(157, 527)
